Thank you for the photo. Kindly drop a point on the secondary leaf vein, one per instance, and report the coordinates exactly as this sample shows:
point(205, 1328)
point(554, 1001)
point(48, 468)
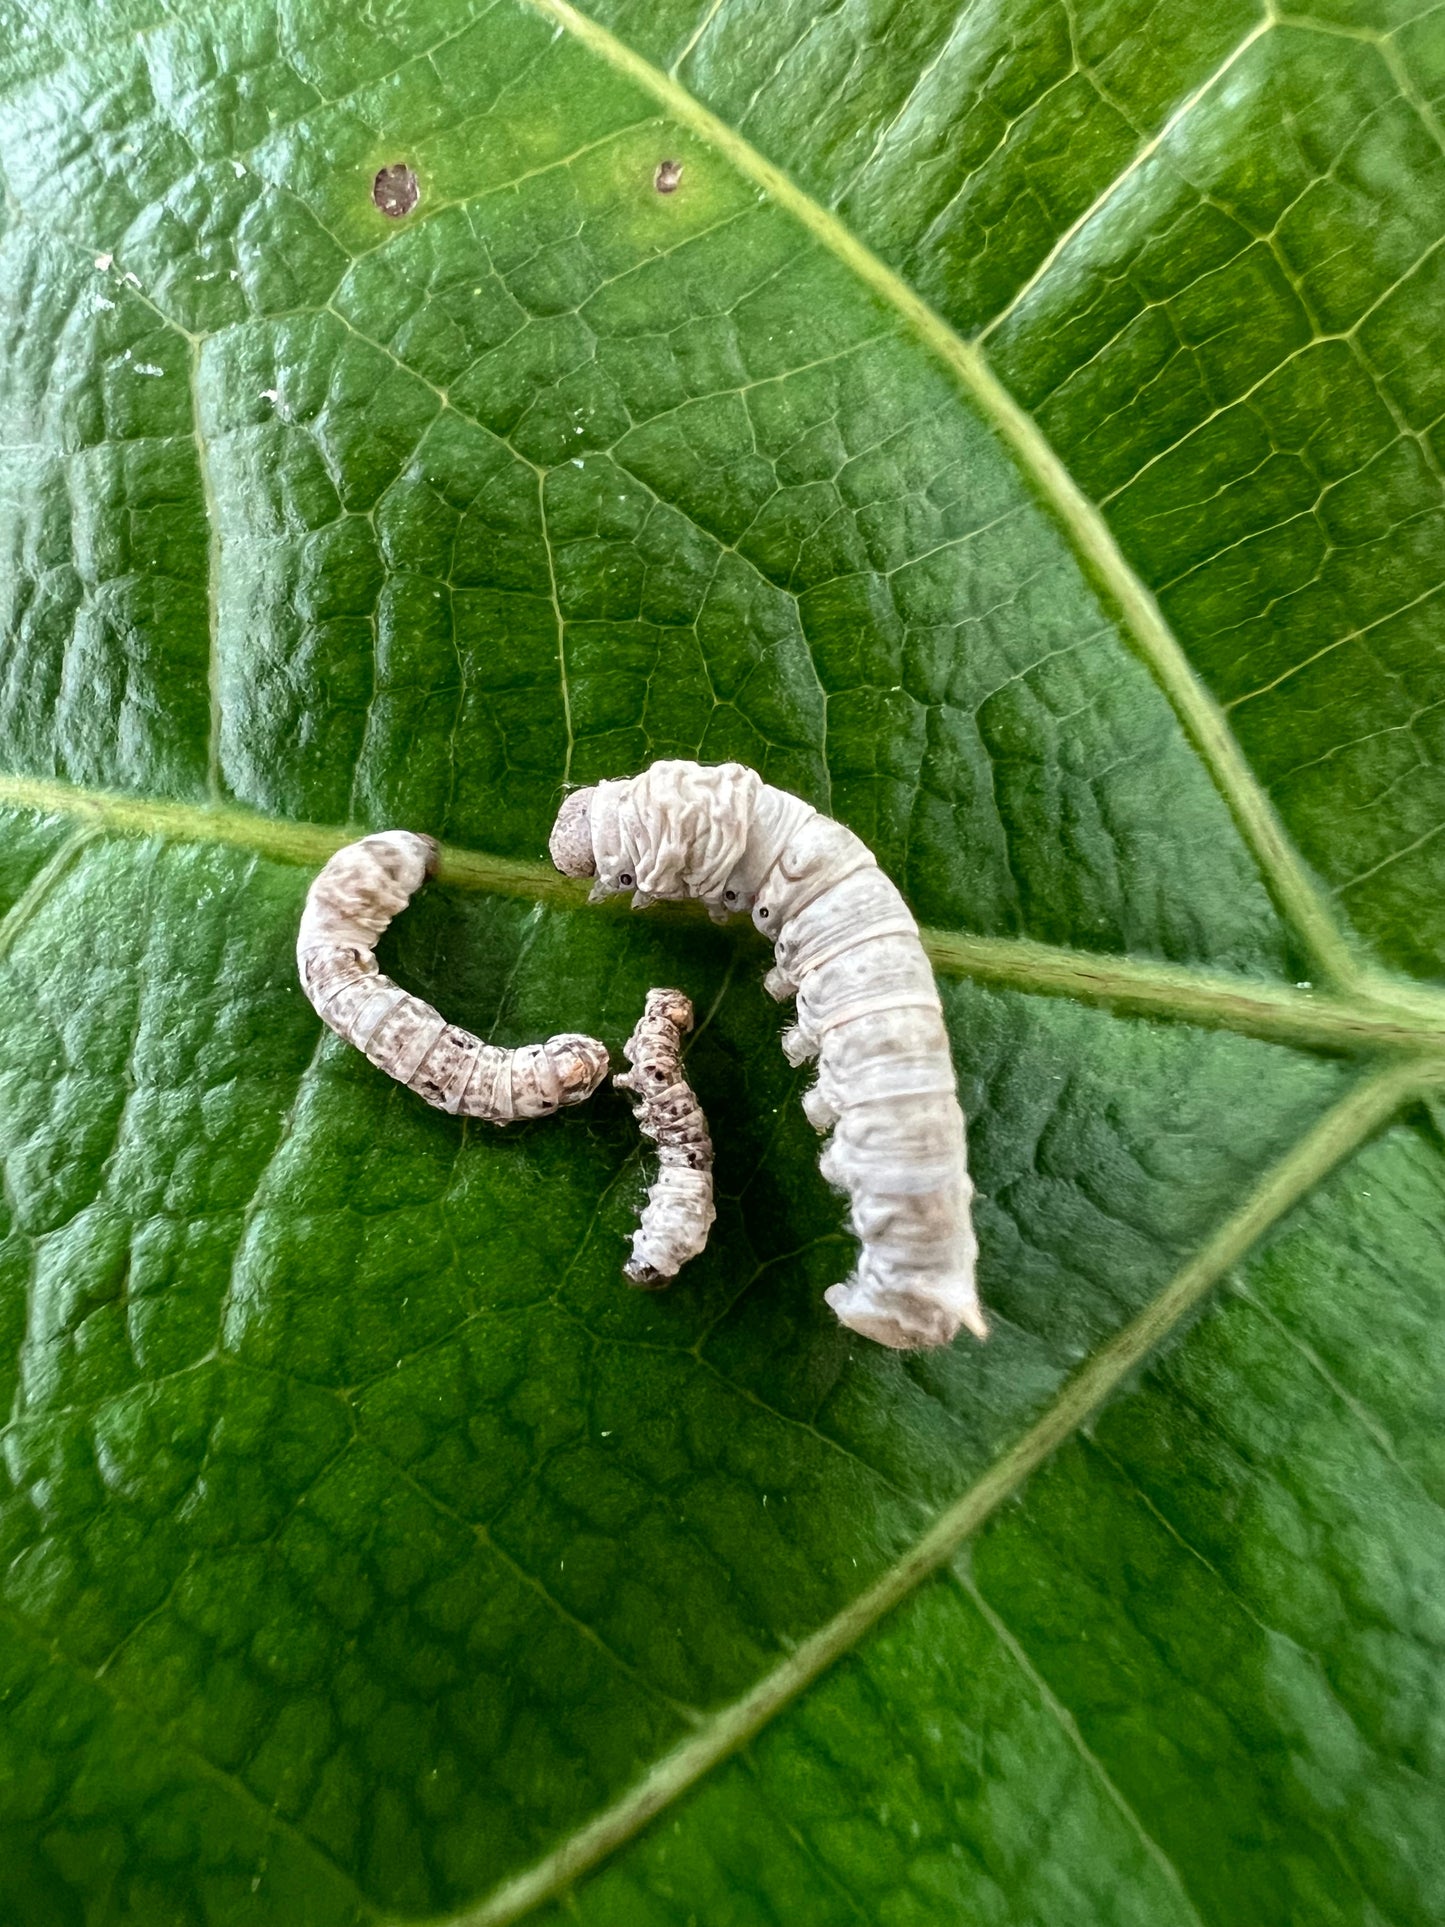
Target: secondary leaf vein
point(1368, 1106)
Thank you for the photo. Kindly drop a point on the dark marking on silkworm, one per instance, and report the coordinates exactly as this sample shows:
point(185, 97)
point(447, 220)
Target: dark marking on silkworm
point(679, 1210)
point(396, 190)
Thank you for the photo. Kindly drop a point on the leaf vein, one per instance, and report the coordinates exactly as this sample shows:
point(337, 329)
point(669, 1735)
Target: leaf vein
point(1069, 1726)
point(1094, 544)
point(1368, 1106)
point(233, 1782)
point(1379, 1015)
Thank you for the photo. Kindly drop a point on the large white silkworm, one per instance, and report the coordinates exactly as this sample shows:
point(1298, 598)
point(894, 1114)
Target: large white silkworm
point(348, 906)
point(868, 1010)
point(679, 1207)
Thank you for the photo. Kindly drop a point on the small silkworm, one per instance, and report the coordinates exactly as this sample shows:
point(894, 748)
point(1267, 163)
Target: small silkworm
point(868, 1010)
point(679, 1208)
point(349, 904)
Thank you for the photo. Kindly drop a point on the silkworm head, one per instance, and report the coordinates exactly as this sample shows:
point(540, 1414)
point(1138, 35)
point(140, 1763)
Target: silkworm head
point(674, 1005)
point(571, 840)
point(586, 1067)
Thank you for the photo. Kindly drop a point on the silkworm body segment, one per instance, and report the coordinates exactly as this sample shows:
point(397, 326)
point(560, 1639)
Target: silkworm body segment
point(869, 1012)
point(348, 906)
point(679, 1211)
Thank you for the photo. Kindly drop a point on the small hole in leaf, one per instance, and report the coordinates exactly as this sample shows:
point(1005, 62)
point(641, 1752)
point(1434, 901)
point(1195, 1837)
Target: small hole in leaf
point(395, 190)
point(668, 174)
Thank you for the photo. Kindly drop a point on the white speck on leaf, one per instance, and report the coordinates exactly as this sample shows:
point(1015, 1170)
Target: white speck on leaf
point(148, 368)
point(103, 261)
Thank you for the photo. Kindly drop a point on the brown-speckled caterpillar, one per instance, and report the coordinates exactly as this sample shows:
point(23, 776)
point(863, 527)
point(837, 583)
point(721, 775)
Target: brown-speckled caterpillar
point(348, 906)
point(679, 1208)
point(868, 1010)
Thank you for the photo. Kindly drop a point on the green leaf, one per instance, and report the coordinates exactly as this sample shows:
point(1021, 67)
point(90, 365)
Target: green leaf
point(1015, 433)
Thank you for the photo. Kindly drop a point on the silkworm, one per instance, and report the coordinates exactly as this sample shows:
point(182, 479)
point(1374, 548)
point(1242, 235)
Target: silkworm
point(868, 1010)
point(349, 904)
point(679, 1208)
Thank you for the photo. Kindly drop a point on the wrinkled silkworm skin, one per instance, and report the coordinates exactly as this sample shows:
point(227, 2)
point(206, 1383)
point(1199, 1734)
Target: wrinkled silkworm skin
point(848, 949)
point(679, 1210)
point(348, 906)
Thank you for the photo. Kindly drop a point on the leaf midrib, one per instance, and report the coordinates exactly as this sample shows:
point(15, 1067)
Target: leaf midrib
point(1380, 1016)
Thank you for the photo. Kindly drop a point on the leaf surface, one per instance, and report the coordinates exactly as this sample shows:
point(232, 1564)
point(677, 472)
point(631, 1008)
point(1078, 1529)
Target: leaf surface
point(1005, 439)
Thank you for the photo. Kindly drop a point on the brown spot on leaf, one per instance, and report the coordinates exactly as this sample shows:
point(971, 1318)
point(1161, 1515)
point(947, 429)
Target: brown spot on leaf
point(668, 174)
point(396, 190)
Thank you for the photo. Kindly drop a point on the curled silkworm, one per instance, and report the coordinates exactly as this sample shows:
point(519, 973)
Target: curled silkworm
point(348, 906)
point(868, 1010)
point(679, 1208)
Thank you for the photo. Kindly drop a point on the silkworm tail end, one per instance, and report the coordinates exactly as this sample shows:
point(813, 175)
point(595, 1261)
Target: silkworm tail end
point(645, 1277)
point(883, 1330)
point(905, 1322)
point(570, 845)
